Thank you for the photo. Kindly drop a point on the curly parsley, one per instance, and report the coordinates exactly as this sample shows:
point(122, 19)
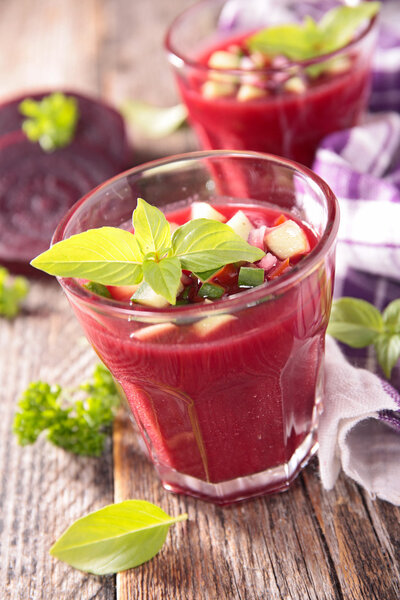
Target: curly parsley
point(77, 424)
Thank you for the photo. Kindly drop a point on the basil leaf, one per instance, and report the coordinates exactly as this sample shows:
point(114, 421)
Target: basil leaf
point(391, 317)
point(309, 39)
point(204, 244)
point(355, 322)
point(115, 538)
point(388, 352)
point(106, 255)
point(163, 277)
point(291, 40)
point(338, 26)
point(152, 230)
point(153, 121)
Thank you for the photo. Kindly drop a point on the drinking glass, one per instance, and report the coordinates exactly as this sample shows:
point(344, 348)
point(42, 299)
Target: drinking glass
point(285, 107)
point(226, 395)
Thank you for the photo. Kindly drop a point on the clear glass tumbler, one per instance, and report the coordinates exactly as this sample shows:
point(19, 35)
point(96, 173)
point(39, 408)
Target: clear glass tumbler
point(226, 395)
point(282, 107)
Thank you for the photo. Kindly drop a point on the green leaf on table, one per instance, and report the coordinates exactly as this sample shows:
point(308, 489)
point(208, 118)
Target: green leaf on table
point(12, 292)
point(115, 538)
point(204, 244)
point(355, 322)
point(152, 230)
point(107, 255)
point(163, 277)
point(309, 39)
point(387, 349)
point(153, 121)
point(77, 420)
point(51, 121)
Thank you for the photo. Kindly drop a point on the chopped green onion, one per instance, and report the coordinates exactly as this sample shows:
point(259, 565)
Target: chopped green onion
point(211, 290)
point(250, 276)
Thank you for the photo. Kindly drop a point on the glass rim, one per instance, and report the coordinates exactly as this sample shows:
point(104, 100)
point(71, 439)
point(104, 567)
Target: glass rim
point(178, 58)
point(236, 302)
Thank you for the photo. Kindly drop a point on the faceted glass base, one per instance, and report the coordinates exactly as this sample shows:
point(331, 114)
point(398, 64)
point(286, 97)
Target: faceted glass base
point(276, 479)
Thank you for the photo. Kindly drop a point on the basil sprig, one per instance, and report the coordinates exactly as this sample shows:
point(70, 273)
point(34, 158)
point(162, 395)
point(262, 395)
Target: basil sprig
point(358, 323)
point(112, 256)
point(115, 538)
point(310, 39)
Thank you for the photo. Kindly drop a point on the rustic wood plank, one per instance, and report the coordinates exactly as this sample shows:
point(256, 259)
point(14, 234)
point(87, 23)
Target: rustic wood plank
point(271, 545)
point(42, 488)
point(362, 537)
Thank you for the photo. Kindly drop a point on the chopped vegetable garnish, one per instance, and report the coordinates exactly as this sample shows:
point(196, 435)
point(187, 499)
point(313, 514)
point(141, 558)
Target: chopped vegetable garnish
point(250, 277)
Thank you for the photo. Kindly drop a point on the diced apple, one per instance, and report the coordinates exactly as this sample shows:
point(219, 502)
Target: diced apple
point(224, 60)
point(240, 224)
point(159, 332)
point(287, 240)
point(217, 89)
point(203, 210)
point(147, 296)
point(250, 92)
point(209, 325)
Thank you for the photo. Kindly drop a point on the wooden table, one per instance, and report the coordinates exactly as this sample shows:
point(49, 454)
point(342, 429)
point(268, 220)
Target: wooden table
point(304, 544)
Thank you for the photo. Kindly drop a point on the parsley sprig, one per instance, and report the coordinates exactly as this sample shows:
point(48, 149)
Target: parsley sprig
point(77, 421)
point(358, 324)
point(113, 256)
point(12, 293)
point(51, 121)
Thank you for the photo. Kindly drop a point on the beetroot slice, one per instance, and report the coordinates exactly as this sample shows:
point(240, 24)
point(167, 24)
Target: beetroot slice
point(99, 125)
point(37, 189)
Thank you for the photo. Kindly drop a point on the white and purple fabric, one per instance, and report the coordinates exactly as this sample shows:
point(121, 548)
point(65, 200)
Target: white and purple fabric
point(360, 426)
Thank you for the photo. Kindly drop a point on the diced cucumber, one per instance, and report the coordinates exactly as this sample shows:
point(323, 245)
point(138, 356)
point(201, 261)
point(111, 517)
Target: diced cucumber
point(203, 210)
point(250, 276)
point(97, 288)
point(240, 224)
point(147, 296)
point(211, 290)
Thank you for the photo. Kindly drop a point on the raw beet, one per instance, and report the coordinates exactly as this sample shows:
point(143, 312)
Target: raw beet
point(37, 189)
point(99, 125)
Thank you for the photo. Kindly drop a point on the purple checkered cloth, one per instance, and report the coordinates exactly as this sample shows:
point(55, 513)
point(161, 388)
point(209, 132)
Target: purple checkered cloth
point(360, 426)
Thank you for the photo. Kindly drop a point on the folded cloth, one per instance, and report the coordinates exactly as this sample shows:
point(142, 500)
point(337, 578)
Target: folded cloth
point(362, 166)
point(360, 429)
point(360, 426)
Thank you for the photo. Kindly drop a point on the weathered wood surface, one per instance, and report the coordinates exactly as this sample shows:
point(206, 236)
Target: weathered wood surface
point(304, 544)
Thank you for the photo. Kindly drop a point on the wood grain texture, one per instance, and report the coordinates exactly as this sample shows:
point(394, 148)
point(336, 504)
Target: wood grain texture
point(42, 488)
point(303, 544)
point(306, 544)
